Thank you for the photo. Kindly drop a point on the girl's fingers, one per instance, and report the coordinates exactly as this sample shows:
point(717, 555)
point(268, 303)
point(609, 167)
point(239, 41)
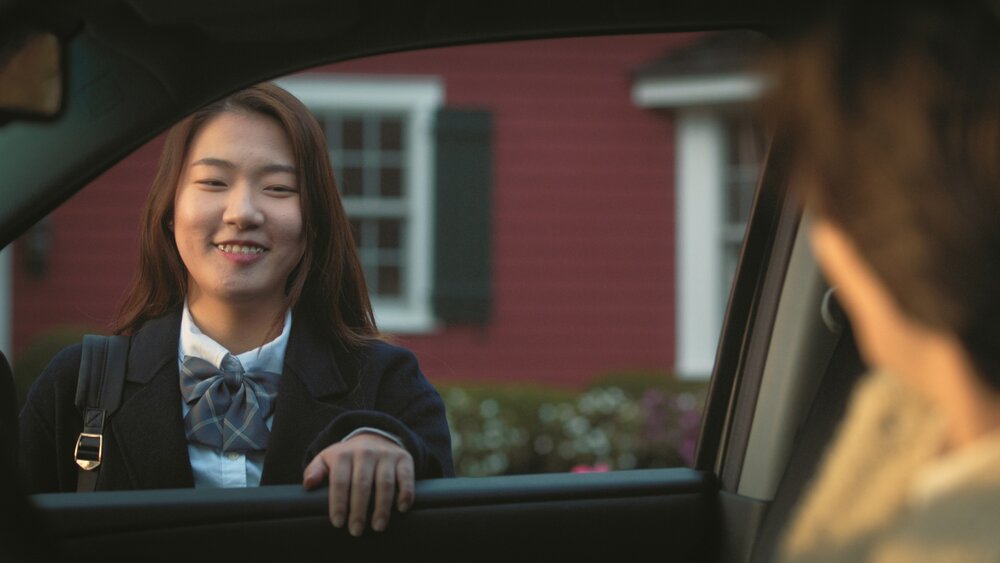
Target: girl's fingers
point(405, 478)
point(340, 489)
point(385, 490)
point(361, 488)
point(357, 470)
point(315, 473)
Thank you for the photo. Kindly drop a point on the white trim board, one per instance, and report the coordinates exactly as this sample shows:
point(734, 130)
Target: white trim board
point(699, 254)
point(696, 91)
point(419, 97)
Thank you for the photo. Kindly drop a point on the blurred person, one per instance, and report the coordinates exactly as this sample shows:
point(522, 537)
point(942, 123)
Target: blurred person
point(889, 113)
point(254, 357)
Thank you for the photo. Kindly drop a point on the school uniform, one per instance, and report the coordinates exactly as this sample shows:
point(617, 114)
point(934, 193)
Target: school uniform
point(324, 394)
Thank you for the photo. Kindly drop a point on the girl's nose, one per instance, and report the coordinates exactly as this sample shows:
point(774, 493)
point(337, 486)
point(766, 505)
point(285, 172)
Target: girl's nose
point(242, 210)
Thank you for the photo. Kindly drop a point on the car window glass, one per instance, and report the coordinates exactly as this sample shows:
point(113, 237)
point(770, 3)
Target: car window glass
point(551, 226)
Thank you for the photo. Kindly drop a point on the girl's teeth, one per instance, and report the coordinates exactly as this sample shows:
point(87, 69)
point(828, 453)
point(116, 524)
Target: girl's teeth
point(238, 249)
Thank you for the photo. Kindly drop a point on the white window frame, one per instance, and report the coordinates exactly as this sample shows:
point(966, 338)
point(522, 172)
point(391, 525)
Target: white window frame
point(418, 98)
point(700, 137)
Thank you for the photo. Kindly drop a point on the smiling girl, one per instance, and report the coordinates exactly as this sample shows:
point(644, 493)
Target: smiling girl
point(254, 357)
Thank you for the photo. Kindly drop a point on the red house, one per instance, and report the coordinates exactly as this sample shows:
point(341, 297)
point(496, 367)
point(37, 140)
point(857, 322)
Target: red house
point(540, 210)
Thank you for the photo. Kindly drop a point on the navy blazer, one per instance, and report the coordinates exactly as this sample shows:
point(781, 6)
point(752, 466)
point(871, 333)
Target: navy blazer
point(324, 393)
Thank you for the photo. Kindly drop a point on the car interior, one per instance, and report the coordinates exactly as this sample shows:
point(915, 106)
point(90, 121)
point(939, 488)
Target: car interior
point(785, 365)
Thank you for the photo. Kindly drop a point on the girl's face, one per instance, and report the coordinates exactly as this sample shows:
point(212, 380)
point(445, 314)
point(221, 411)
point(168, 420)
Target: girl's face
point(237, 218)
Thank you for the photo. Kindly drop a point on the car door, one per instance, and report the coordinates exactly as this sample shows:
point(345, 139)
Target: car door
point(759, 385)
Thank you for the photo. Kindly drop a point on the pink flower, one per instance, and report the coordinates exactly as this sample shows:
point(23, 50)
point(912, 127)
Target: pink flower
point(596, 468)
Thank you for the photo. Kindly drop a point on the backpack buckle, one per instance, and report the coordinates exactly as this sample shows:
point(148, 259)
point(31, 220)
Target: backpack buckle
point(87, 452)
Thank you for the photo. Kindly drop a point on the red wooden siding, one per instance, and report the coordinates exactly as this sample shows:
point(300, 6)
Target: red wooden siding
point(93, 252)
point(583, 217)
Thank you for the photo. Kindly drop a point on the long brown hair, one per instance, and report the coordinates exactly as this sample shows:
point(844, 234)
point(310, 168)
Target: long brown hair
point(326, 289)
point(892, 108)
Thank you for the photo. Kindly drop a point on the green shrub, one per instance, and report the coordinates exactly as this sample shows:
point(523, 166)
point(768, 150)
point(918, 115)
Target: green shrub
point(621, 421)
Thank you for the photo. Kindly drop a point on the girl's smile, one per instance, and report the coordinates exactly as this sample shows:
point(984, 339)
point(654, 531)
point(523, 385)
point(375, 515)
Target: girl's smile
point(241, 252)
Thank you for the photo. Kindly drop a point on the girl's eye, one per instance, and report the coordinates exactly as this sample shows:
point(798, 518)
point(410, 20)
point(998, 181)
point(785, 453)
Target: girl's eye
point(211, 182)
point(281, 189)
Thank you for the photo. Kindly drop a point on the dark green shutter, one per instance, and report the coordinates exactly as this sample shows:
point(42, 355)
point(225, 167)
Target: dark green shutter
point(463, 226)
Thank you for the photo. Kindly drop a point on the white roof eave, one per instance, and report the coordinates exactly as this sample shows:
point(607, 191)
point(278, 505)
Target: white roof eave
point(677, 92)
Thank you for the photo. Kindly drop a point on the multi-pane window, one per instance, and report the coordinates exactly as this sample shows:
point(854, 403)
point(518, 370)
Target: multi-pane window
point(368, 152)
point(380, 134)
point(718, 160)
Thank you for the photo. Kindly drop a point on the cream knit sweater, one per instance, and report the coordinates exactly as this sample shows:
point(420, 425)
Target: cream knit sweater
point(862, 505)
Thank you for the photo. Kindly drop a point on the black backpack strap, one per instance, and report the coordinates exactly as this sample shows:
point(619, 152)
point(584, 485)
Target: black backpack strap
point(98, 394)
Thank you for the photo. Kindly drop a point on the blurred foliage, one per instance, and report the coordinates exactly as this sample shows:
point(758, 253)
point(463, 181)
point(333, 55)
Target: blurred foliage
point(30, 361)
point(626, 420)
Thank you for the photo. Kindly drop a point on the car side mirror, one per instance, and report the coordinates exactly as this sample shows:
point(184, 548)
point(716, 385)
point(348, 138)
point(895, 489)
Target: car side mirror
point(32, 74)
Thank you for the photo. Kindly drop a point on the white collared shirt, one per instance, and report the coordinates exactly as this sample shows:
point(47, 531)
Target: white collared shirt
point(212, 467)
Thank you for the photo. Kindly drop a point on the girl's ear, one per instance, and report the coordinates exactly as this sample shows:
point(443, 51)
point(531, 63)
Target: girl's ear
point(170, 225)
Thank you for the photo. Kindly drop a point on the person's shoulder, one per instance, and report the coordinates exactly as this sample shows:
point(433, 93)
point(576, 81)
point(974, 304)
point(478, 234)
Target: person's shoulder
point(63, 369)
point(66, 362)
point(389, 360)
point(387, 352)
point(394, 370)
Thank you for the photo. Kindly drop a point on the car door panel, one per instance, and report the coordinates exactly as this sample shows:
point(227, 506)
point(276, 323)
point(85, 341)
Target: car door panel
point(644, 513)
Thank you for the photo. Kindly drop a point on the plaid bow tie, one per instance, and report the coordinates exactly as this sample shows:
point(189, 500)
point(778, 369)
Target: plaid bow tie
point(228, 406)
